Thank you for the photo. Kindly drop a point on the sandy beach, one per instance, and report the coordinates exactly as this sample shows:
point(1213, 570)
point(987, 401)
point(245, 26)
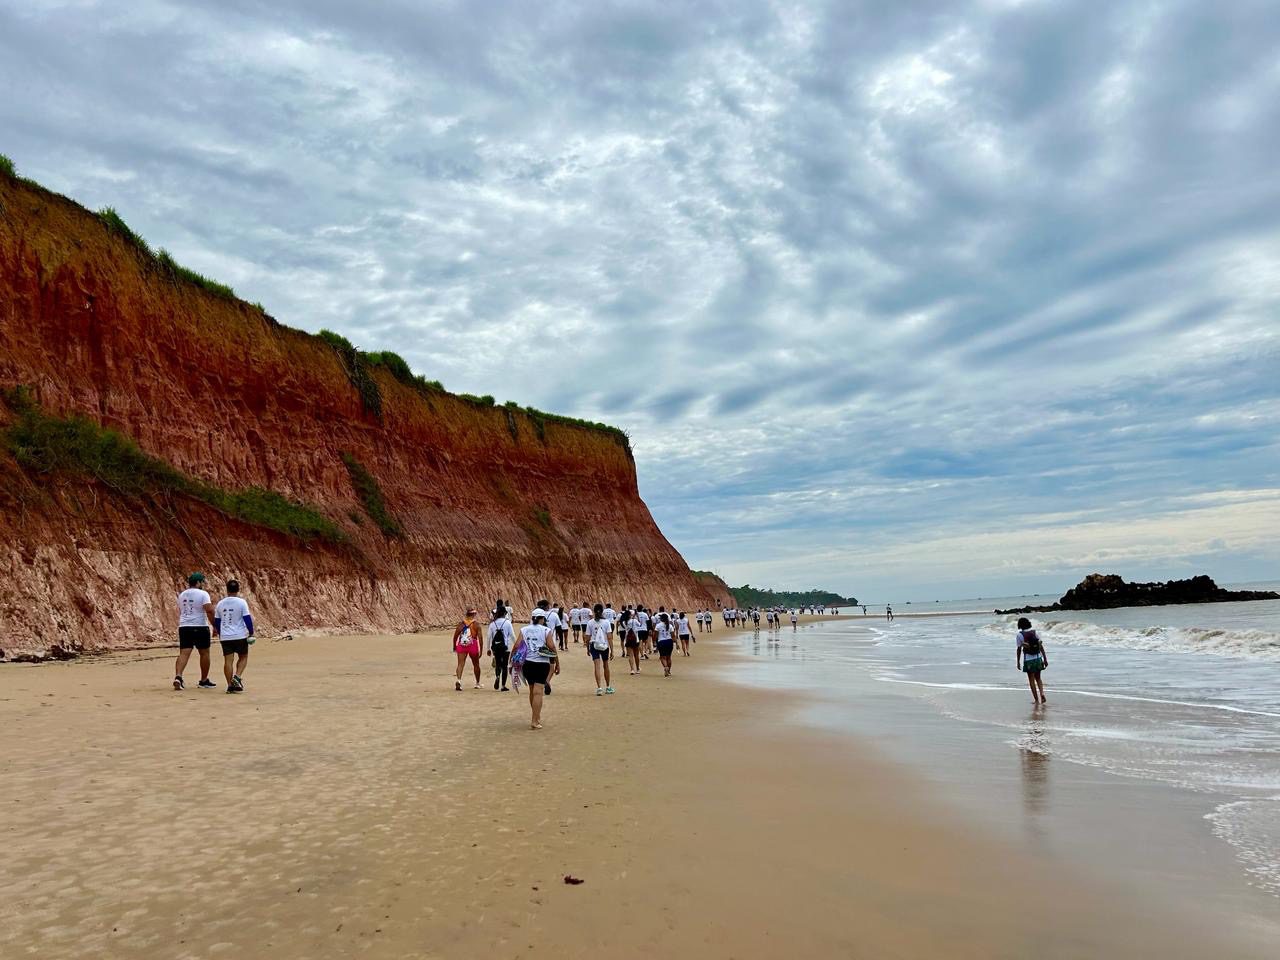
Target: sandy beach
point(352, 804)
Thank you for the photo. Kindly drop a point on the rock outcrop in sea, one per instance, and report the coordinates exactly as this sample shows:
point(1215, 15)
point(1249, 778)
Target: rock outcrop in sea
point(1101, 591)
point(155, 424)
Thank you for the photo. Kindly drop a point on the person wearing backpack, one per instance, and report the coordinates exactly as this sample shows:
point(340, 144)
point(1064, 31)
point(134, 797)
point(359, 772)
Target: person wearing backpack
point(466, 644)
point(501, 641)
point(600, 646)
point(537, 648)
point(1031, 658)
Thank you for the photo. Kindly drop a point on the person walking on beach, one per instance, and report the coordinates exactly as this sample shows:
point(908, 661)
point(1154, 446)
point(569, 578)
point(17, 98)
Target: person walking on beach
point(888, 613)
point(631, 641)
point(234, 625)
point(642, 635)
point(665, 636)
point(194, 610)
point(501, 642)
point(795, 621)
point(1031, 658)
point(466, 644)
point(562, 630)
point(683, 632)
point(600, 647)
point(539, 660)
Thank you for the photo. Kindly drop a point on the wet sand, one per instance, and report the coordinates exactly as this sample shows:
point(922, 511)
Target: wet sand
point(352, 804)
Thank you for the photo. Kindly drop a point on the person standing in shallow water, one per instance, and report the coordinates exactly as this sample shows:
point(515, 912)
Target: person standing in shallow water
point(1031, 658)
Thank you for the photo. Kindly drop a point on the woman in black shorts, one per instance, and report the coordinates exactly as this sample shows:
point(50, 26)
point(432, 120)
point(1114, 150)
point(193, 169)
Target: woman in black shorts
point(631, 633)
point(539, 662)
point(665, 636)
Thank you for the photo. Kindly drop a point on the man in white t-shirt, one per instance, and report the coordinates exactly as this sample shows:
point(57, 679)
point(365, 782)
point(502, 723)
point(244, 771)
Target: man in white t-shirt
point(611, 615)
point(234, 624)
point(194, 610)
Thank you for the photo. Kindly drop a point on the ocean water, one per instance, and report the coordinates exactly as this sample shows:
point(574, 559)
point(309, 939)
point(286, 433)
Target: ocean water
point(1186, 697)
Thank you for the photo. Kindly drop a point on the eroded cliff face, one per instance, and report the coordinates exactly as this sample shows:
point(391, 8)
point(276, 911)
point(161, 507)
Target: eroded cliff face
point(492, 502)
point(719, 591)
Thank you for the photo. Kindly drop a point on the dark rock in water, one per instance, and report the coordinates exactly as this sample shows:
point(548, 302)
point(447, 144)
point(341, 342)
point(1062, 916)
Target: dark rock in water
point(1102, 591)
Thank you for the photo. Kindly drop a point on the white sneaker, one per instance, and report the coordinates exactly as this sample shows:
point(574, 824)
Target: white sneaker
point(599, 691)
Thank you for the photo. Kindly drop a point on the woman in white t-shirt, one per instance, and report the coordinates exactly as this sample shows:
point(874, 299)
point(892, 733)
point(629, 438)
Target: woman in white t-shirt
point(682, 630)
point(539, 662)
point(600, 649)
point(664, 635)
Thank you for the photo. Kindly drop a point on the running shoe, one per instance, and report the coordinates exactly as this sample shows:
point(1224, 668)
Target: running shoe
point(495, 684)
point(237, 683)
point(178, 684)
point(599, 691)
point(207, 684)
point(608, 689)
point(457, 685)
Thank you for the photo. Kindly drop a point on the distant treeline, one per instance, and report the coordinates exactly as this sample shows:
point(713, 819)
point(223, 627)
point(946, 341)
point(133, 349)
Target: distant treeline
point(749, 596)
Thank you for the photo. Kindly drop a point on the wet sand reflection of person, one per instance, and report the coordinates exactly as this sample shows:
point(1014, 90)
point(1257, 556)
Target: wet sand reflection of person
point(1033, 756)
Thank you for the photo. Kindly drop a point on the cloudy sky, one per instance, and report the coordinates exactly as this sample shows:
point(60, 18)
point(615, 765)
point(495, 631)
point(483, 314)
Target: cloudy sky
point(909, 300)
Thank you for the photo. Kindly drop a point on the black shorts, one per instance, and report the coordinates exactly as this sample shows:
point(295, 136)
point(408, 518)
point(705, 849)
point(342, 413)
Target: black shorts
point(577, 628)
point(665, 647)
point(599, 654)
point(535, 672)
point(644, 634)
point(198, 637)
point(230, 647)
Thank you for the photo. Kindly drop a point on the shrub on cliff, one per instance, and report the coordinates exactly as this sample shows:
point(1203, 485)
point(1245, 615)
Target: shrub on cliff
point(356, 368)
point(78, 446)
point(394, 365)
point(371, 498)
point(7, 167)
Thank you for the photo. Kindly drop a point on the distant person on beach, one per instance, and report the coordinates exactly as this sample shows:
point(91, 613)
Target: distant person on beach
point(1031, 658)
point(501, 643)
point(234, 626)
point(575, 625)
point(682, 631)
point(539, 660)
point(194, 610)
point(466, 644)
point(864, 610)
point(665, 636)
point(795, 621)
point(600, 646)
point(643, 622)
point(888, 612)
point(562, 630)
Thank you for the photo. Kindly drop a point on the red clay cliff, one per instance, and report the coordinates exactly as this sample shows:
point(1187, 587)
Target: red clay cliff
point(492, 502)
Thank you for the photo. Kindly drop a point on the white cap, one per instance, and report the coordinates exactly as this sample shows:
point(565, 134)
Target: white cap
point(537, 612)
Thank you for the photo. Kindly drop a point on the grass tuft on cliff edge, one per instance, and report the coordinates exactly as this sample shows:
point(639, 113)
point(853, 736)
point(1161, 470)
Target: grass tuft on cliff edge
point(78, 446)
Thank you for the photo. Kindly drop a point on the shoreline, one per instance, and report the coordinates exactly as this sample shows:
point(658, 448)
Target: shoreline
point(351, 801)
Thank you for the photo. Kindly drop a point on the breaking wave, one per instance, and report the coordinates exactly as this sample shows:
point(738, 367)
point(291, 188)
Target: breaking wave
point(1247, 644)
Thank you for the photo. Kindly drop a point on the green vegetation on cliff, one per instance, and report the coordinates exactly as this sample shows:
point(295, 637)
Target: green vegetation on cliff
point(749, 596)
point(371, 498)
point(46, 444)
